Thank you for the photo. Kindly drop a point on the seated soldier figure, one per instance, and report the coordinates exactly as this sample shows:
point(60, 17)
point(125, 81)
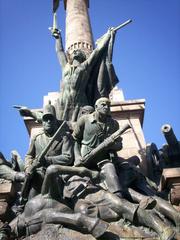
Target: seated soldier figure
point(60, 152)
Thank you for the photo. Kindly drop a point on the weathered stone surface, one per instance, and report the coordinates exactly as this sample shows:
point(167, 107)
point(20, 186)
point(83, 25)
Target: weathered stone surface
point(175, 194)
point(78, 37)
point(131, 112)
point(7, 191)
point(169, 177)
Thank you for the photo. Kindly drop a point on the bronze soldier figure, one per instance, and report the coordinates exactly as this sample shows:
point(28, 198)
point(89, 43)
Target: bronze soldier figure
point(90, 131)
point(60, 152)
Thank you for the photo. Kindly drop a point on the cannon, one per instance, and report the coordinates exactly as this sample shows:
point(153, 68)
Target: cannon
point(170, 151)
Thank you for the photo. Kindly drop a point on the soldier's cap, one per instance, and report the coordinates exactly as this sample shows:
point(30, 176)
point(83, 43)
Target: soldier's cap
point(49, 110)
point(87, 108)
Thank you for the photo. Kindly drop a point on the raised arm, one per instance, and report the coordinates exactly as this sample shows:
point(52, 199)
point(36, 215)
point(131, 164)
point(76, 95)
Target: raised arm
point(59, 48)
point(26, 112)
point(101, 44)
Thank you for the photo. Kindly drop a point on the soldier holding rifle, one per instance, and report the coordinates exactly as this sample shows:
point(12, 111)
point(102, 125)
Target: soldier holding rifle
point(60, 151)
point(91, 130)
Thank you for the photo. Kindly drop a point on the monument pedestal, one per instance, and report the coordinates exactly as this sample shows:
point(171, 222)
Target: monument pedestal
point(131, 112)
point(170, 179)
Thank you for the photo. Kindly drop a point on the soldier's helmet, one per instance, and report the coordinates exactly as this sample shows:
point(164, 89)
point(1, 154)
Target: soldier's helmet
point(49, 110)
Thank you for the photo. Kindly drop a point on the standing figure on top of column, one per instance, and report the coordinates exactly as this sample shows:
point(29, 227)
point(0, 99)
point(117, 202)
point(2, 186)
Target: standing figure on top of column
point(78, 86)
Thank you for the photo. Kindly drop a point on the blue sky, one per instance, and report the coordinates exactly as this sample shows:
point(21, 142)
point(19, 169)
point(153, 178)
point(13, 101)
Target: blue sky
point(146, 59)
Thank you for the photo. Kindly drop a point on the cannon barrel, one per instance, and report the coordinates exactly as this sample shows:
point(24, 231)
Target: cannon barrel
point(169, 135)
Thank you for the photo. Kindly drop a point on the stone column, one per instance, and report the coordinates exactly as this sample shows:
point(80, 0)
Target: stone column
point(78, 27)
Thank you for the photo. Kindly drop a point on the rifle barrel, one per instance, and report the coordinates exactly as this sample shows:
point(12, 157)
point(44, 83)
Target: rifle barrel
point(43, 153)
point(123, 24)
point(18, 106)
point(87, 159)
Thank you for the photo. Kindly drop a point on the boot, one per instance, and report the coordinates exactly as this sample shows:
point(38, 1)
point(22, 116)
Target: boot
point(145, 202)
point(109, 175)
point(149, 219)
point(168, 211)
point(95, 226)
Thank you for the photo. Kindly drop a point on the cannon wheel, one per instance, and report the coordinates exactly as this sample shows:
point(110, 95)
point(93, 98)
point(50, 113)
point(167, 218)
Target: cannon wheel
point(153, 161)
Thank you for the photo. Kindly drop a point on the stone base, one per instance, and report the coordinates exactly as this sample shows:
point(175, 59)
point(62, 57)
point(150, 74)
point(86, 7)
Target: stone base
point(132, 112)
point(170, 179)
point(7, 191)
point(175, 194)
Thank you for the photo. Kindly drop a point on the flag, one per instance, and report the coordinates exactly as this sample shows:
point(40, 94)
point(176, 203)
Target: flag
point(103, 76)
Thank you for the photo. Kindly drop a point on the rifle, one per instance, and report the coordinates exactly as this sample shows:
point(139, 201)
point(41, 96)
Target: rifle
point(105, 144)
point(19, 107)
point(122, 25)
point(115, 29)
point(39, 160)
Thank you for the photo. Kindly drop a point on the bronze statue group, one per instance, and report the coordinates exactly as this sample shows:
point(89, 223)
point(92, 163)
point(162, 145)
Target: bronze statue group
point(73, 175)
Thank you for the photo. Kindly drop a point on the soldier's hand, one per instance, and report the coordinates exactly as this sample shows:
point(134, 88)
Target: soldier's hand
point(117, 145)
point(78, 161)
point(109, 31)
point(107, 143)
point(28, 171)
point(112, 31)
point(56, 33)
point(25, 112)
point(48, 160)
point(95, 175)
point(34, 165)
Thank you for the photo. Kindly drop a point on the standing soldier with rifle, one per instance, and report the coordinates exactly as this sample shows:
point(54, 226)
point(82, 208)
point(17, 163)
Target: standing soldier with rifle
point(54, 145)
point(92, 131)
